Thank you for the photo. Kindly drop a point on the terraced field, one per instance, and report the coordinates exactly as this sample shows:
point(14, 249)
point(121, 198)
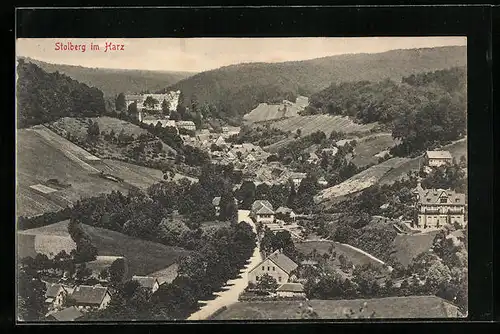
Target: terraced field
point(313, 123)
point(368, 147)
point(360, 181)
point(266, 112)
point(44, 155)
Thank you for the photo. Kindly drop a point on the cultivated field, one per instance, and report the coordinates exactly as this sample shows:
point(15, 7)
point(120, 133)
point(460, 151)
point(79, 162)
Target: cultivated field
point(368, 147)
point(44, 155)
point(78, 126)
point(266, 112)
point(360, 181)
point(143, 257)
point(457, 149)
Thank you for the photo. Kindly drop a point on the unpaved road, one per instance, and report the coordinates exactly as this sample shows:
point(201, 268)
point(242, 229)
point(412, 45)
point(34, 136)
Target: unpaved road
point(234, 286)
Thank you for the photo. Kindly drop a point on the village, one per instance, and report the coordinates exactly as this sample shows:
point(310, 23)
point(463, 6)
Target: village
point(269, 276)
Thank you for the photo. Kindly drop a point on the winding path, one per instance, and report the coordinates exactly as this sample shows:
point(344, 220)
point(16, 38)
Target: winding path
point(234, 286)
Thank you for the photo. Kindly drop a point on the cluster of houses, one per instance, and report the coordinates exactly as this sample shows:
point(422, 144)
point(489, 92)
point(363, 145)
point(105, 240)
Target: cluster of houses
point(67, 302)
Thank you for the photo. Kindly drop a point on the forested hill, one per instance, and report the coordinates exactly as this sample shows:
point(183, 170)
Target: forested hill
point(422, 109)
point(44, 97)
point(114, 81)
point(235, 90)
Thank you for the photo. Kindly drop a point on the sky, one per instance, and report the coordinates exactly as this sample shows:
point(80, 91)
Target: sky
point(202, 54)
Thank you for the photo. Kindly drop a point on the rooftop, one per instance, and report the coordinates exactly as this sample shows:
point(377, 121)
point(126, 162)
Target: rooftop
point(86, 294)
point(67, 314)
point(439, 155)
point(145, 281)
point(291, 287)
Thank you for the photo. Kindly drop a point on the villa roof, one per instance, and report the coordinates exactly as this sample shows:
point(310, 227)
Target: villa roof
point(434, 196)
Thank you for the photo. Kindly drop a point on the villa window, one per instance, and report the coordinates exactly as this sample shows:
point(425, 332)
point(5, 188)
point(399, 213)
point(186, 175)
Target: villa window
point(274, 268)
point(268, 269)
point(444, 200)
point(263, 268)
point(279, 279)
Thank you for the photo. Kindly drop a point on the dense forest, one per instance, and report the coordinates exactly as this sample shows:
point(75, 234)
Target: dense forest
point(44, 97)
point(114, 81)
point(235, 90)
point(423, 110)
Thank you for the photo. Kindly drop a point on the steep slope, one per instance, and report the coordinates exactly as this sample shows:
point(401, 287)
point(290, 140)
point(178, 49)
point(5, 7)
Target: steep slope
point(43, 97)
point(237, 89)
point(113, 81)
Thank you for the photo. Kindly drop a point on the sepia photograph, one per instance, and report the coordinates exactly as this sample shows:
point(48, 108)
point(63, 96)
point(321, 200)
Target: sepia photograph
point(174, 179)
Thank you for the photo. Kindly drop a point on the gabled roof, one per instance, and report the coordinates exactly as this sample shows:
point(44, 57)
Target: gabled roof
point(291, 287)
point(67, 314)
point(264, 211)
point(89, 295)
point(146, 281)
point(282, 261)
point(439, 155)
point(216, 201)
point(258, 205)
point(53, 290)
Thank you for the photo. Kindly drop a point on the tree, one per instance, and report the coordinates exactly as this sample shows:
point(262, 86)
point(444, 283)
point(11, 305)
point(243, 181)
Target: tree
point(164, 107)
point(298, 133)
point(308, 188)
point(117, 270)
point(132, 109)
point(93, 130)
point(30, 295)
point(267, 283)
point(82, 273)
point(246, 194)
point(120, 103)
point(150, 102)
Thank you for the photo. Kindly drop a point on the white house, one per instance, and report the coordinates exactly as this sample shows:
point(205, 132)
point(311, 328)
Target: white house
point(277, 265)
point(297, 178)
point(150, 283)
point(91, 297)
point(188, 125)
point(438, 158)
point(262, 211)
